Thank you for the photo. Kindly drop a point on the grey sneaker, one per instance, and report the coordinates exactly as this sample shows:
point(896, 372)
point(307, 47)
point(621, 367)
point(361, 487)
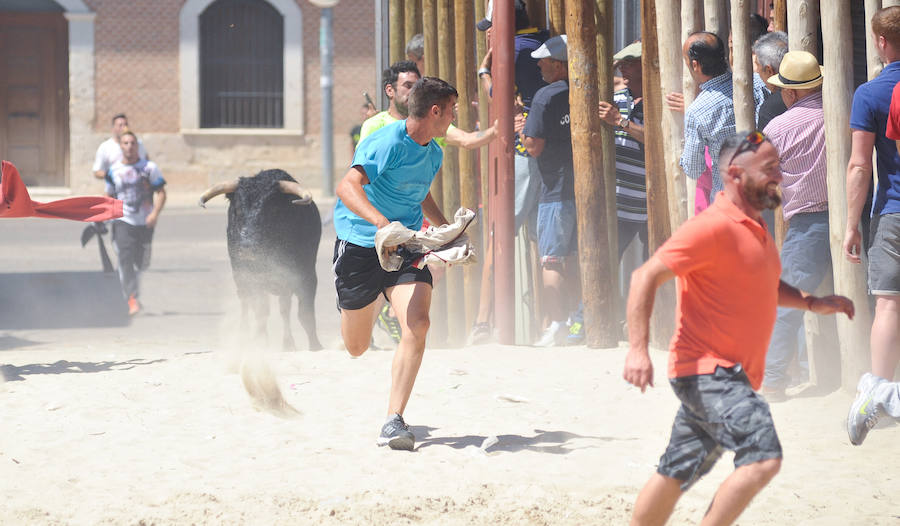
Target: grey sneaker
point(863, 416)
point(396, 434)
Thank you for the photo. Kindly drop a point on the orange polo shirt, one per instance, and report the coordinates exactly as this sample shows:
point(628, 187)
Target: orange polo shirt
point(728, 271)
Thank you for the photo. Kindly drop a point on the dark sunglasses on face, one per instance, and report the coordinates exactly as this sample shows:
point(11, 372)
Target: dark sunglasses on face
point(750, 143)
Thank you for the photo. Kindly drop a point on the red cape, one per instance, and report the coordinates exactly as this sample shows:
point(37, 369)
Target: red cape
point(15, 202)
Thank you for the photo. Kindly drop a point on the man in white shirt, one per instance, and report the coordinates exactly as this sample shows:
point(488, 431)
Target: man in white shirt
point(110, 152)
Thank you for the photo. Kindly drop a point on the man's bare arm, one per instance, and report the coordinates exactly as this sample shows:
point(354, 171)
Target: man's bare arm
point(534, 145)
point(859, 177)
point(159, 201)
point(644, 283)
point(350, 191)
point(470, 140)
point(791, 297)
point(100, 174)
point(433, 212)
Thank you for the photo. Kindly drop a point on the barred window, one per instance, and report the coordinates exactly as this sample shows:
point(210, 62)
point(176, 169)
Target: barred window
point(241, 65)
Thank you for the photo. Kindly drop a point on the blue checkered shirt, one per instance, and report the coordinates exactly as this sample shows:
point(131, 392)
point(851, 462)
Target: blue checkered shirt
point(708, 121)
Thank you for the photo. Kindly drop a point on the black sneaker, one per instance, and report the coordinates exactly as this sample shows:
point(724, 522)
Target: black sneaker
point(396, 434)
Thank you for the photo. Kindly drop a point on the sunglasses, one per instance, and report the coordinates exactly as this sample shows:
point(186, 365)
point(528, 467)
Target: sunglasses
point(750, 143)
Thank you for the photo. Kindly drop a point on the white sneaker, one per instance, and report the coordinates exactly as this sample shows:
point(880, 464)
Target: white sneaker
point(554, 335)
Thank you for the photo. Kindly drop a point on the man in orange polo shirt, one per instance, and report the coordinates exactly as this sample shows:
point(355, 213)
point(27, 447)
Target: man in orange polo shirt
point(728, 289)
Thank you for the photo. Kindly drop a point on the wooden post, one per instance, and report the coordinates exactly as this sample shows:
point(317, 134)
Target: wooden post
point(438, 333)
point(849, 279)
point(803, 19)
point(453, 276)
point(412, 21)
point(873, 61)
point(469, 189)
point(742, 69)
point(397, 44)
point(715, 12)
point(658, 224)
point(597, 278)
point(557, 12)
point(430, 32)
point(668, 34)
point(603, 20)
point(691, 21)
point(537, 13)
point(780, 15)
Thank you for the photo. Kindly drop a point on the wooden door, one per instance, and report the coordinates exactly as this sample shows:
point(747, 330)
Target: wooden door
point(34, 96)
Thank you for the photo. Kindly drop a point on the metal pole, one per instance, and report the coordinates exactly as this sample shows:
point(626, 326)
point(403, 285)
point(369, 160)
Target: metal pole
point(502, 173)
point(326, 49)
point(382, 50)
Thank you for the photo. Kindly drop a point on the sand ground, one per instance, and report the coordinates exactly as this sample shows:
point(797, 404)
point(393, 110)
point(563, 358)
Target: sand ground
point(149, 423)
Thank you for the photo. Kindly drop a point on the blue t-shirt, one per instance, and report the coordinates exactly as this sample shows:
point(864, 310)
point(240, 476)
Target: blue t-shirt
point(871, 104)
point(528, 74)
point(549, 120)
point(400, 172)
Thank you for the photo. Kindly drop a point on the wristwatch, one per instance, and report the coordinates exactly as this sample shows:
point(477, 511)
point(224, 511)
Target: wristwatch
point(483, 71)
point(624, 123)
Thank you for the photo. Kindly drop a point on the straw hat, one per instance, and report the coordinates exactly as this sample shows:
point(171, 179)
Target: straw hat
point(798, 70)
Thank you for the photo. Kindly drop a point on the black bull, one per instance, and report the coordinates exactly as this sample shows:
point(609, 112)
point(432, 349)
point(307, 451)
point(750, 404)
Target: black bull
point(273, 236)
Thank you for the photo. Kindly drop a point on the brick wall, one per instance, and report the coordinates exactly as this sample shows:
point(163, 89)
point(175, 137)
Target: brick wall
point(136, 53)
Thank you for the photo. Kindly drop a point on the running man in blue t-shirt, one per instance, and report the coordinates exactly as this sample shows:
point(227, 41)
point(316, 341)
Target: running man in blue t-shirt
point(389, 180)
point(876, 394)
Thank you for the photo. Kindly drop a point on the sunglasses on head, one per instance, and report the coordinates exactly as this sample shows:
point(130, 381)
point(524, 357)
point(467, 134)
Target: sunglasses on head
point(750, 143)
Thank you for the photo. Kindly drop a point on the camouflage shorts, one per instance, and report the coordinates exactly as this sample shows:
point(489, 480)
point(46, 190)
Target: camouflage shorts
point(718, 411)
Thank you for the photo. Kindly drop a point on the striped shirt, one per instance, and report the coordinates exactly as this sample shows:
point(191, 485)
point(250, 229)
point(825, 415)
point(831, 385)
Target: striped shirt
point(631, 175)
point(799, 136)
point(708, 121)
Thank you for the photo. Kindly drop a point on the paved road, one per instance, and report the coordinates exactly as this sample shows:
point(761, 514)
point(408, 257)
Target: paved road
point(187, 293)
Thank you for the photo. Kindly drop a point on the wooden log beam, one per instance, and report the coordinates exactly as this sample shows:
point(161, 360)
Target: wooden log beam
point(803, 20)
point(603, 21)
point(849, 279)
point(780, 15)
point(873, 61)
point(438, 332)
point(598, 283)
point(658, 224)
point(453, 277)
point(469, 189)
point(557, 12)
point(537, 12)
point(668, 34)
point(691, 21)
point(715, 14)
point(412, 21)
point(395, 29)
point(742, 69)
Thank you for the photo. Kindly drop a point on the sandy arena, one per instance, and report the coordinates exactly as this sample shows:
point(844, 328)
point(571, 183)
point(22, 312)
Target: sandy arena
point(149, 423)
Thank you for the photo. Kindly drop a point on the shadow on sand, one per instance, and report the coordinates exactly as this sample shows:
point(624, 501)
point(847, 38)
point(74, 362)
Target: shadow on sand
point(555, 442)
point(61, 300)
point(13, 373)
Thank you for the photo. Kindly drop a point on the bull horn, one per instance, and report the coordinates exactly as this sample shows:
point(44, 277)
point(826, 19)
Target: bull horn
point(292, 188)
point(221, 188)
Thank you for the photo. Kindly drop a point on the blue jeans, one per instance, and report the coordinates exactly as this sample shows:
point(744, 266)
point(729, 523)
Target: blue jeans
point(805, 259)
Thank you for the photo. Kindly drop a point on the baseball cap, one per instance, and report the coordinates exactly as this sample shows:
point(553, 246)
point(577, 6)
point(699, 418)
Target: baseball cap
point(555, 48)
point(631, 51)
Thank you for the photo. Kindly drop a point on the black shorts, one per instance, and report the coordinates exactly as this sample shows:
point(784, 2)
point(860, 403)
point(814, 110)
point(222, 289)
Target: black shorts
point(718, 411)
point(359, 278)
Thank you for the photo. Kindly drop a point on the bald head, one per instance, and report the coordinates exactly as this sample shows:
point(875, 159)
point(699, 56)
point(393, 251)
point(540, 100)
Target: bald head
point(751, 172)
point(705, 55)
